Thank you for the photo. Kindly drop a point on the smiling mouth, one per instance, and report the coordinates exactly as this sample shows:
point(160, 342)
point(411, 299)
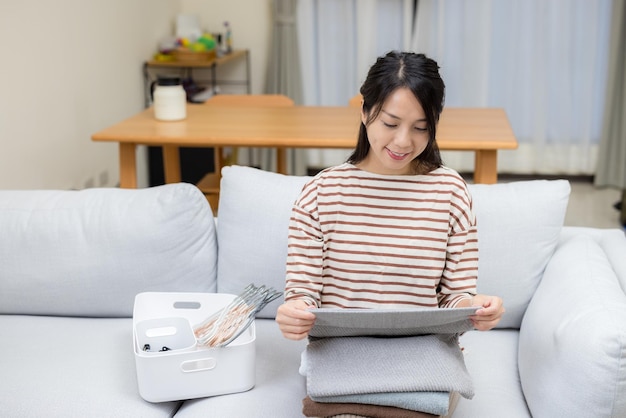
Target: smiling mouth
point(396, 155)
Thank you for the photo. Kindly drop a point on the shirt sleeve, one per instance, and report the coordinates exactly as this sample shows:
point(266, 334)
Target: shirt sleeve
point(305, 248)
point(460, 274)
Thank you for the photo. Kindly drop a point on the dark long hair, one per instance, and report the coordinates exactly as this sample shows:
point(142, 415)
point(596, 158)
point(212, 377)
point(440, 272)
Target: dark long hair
point(419, 74)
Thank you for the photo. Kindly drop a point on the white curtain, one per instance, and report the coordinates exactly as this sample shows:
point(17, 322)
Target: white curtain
point(339, 40)
point(611, 170)
point(545, 62)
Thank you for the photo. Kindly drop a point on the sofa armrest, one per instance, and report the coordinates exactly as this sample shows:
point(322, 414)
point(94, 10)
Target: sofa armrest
point(572, 346)
point(611, 240)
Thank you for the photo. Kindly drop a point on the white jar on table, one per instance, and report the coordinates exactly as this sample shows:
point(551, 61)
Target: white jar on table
point(170, 99)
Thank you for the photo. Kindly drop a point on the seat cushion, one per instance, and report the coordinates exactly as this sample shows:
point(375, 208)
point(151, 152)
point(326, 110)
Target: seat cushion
point(573, 337)
point(491, 360)
point(518, 229)
point(279, 388)
point(89, 252)
point(71, 367)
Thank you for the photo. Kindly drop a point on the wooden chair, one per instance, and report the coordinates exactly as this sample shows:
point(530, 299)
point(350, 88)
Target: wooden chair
point(210, 183)
point(356, 101)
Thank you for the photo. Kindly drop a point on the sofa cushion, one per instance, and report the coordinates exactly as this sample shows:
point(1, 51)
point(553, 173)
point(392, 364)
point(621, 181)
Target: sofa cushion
point(71, 367)
point(573, 337)
point(518, 229)
point(254, 211)
point(491, 360)
point(89, 252)
point(279, 389)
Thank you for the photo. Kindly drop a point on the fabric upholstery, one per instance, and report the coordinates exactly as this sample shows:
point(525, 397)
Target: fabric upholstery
point(491, 360)
point(71, 367)
point(518, 229)
point(573, 337)
point(89, 252)
point(612, 243)
point(278, 391)
point(254, 211)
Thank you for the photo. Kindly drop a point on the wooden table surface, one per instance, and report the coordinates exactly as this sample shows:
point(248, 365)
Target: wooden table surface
point(481, 130)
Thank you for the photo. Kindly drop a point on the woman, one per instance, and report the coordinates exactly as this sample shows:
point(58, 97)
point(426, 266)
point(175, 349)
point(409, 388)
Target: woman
point(392, 227)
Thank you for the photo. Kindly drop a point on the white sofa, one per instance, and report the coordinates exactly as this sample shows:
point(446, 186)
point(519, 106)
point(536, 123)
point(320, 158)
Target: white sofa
point(71, 263)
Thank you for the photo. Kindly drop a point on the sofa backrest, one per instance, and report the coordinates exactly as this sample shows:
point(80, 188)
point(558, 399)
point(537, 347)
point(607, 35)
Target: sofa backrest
point(89, 252)
point(518, 230)
point(253, 220)
point(518, 223)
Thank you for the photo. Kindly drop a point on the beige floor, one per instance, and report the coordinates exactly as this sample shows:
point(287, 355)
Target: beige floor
point(593, 206)
point(588, 205)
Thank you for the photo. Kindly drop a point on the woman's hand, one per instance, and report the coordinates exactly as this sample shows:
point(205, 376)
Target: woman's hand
point(490, 312)
point(294, 319)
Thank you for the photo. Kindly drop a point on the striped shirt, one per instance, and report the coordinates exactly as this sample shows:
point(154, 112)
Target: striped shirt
point(365, 240)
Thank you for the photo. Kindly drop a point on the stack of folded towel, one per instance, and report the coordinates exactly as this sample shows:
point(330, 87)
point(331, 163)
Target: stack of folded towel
point(373, 376)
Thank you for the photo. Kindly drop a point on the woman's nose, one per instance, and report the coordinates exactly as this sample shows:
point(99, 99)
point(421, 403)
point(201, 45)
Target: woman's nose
point(403, 138)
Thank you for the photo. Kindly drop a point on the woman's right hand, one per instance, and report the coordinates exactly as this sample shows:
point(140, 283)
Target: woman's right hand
point(294, 319)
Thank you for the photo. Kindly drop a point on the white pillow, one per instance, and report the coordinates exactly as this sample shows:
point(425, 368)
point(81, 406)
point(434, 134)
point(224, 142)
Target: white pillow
point(253, 222)
point(89, 252)
point(518, 229)
point(572, 342)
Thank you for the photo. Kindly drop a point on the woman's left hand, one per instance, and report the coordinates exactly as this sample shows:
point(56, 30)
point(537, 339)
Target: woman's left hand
point(490, 312)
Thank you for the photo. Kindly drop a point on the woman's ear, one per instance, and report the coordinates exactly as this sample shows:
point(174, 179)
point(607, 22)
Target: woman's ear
point(364, 114)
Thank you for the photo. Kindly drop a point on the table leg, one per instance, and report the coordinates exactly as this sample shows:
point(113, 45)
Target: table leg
point(486, 166)
point(281, 160)
point(171, 164)
point(128, 166)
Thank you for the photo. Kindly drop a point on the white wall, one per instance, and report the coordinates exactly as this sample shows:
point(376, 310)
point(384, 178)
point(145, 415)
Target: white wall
point(69, 69)
point(73, 67)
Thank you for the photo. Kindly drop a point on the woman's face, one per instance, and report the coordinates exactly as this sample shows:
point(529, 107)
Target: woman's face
point(397, 135)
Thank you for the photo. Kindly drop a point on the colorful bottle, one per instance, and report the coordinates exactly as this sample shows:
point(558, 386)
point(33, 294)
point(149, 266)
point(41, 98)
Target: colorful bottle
point(228, 38)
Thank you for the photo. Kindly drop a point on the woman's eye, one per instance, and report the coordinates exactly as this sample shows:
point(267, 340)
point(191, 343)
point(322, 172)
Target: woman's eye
point(417, 128)
point(389, 125)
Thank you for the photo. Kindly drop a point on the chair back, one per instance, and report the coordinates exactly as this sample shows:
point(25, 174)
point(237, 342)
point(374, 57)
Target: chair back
point(356, 101)
point(275, 100)
point(210, 183)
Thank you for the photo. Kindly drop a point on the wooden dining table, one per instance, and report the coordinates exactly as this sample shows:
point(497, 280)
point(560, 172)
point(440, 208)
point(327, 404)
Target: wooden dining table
point(483, 131)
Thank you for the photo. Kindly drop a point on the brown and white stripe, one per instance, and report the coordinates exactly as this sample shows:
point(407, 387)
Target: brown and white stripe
point(362, 240)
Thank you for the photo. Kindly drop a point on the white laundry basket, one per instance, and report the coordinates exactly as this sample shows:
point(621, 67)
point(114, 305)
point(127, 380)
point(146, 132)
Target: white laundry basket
point(170, 365)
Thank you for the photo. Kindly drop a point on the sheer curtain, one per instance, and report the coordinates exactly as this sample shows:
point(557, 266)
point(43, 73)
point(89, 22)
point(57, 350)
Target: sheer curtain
point(612, 159)
point(545, 62)
point(339, 40)
point(283, 77)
